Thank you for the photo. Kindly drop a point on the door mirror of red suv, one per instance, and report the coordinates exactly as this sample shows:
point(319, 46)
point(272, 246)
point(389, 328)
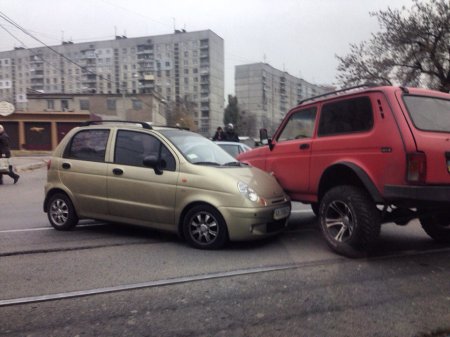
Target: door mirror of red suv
point(264, 138)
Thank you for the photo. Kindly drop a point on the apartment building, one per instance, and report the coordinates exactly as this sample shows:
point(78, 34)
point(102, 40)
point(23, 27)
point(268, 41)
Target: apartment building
point(180, 67)
point(265, 94)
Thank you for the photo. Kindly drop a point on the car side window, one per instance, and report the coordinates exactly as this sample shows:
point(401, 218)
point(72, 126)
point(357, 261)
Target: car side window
point(348, 116)
point(132, 147)
point(300, 125)
point(88, 145)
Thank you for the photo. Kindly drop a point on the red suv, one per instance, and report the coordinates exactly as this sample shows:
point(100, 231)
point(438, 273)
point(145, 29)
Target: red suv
point(364, 156)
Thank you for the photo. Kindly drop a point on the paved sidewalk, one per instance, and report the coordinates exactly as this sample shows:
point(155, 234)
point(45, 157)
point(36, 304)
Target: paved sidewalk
point(27, 163)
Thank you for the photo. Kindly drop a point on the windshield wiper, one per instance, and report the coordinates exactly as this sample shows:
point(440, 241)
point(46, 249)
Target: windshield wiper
point(233, 163)
point(210, 163)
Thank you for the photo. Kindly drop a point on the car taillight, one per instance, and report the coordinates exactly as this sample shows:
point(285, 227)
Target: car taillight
point(416, 167)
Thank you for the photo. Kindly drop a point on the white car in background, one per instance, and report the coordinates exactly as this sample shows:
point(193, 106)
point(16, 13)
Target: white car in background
point(234, 148)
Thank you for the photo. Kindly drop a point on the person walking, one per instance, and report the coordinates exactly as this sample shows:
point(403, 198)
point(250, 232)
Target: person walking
point(5, 152)
point(219, 135)
point(230, 134)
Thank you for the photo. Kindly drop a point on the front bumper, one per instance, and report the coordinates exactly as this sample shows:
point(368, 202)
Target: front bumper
point(254, 223)
point(417, 193)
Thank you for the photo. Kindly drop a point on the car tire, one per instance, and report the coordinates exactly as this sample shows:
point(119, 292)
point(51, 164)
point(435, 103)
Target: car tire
point(315, 208)
point(349, 220)
point(61, 213)
point(205, 228)
point(437, 226)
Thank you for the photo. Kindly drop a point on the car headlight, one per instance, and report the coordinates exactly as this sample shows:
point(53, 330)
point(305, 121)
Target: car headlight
point(250, 194)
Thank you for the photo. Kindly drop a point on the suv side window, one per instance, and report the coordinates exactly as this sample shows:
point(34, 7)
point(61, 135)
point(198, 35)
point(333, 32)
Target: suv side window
point(348, 116)
point(132, 147)
point(299, 125)
point(88, 145)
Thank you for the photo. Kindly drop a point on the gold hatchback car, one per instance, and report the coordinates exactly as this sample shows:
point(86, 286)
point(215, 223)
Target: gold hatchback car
point(164, 178)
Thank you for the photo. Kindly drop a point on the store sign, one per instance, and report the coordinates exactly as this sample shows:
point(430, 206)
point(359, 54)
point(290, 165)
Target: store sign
point(6, 108)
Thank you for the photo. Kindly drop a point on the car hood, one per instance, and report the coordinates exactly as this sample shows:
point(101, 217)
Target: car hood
point(262, 182)
point(225, 179)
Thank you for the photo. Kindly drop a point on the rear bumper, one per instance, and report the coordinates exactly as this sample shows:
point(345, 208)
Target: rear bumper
point(417, 193)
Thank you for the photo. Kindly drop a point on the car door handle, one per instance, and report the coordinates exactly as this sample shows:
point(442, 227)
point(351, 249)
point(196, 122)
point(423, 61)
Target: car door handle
point(118, 171)
point(66, 166)
point(304, 146)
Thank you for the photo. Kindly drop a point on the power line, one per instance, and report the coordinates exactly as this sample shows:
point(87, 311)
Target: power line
point(12, 22)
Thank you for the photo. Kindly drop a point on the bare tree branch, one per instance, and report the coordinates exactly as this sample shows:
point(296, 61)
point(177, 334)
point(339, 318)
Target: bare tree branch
point(412, 48)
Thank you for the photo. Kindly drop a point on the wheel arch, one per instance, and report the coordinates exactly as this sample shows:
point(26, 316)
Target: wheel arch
point(186, 209)
point(51, 193)
point(349, 174)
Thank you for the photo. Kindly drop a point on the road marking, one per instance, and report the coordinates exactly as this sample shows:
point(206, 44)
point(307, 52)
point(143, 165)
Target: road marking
point(45, 228)
point(25, 230)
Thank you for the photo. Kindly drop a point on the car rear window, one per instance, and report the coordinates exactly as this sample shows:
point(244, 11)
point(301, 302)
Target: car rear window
point(429, 113)
point(88, 145)
point(347, 116)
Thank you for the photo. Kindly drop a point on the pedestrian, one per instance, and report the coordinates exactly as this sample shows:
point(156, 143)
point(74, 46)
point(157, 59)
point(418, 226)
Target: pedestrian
point(219, 135)
point(5, 152)
point(230, 134)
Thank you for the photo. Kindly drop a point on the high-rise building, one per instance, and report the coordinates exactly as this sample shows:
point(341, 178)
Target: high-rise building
point(184, 67)
point(266, 94)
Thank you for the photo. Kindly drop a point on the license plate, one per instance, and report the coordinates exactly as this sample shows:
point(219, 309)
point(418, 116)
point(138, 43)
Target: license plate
point(281, 213)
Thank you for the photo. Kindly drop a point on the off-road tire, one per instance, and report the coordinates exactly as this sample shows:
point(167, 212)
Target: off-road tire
point(437, 226)
point(315, 206)
point(349, 220)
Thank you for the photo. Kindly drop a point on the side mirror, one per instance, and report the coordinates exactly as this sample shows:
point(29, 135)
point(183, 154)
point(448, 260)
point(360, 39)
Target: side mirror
point(153, 162)
point(264, 138)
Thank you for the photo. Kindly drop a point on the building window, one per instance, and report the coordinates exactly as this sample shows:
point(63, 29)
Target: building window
point(64, 105)
point(84, 104)
point(137, 104)
point(111, 104)
point(50, 104)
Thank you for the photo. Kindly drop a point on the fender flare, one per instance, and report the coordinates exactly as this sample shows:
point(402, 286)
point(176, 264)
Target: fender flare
point(363, 177)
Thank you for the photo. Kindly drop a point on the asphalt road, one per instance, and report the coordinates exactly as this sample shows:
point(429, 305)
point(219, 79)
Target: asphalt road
point(115, 280)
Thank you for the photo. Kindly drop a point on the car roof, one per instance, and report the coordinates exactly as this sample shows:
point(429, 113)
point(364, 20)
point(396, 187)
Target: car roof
point(131, 124)
point(364, 88)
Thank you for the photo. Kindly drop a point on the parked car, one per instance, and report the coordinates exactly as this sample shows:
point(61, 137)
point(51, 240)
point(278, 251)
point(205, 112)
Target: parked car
point(234, 148)
point(164, 178)
point(364, 156)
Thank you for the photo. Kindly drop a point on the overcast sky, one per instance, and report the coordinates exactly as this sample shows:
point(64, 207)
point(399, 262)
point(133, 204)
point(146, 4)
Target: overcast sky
point(301, 37)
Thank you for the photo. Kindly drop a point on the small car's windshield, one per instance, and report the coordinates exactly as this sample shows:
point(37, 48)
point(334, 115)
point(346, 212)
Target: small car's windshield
point(429, 113)
point(198, 149)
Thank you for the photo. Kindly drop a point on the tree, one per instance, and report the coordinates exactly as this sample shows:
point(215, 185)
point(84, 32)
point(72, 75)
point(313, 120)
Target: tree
point(412, 49)
point(231, 114)
point(247, 123)
point(181, 113)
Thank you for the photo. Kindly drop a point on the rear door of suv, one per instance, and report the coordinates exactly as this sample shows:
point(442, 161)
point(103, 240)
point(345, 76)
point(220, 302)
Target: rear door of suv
point(430, 119)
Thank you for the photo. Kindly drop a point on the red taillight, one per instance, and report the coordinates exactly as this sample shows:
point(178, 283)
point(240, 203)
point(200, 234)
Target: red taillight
point(416, 167)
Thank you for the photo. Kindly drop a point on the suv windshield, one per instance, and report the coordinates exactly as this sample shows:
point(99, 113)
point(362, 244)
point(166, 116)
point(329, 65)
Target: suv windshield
point(198, 149)
point(429, 113)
